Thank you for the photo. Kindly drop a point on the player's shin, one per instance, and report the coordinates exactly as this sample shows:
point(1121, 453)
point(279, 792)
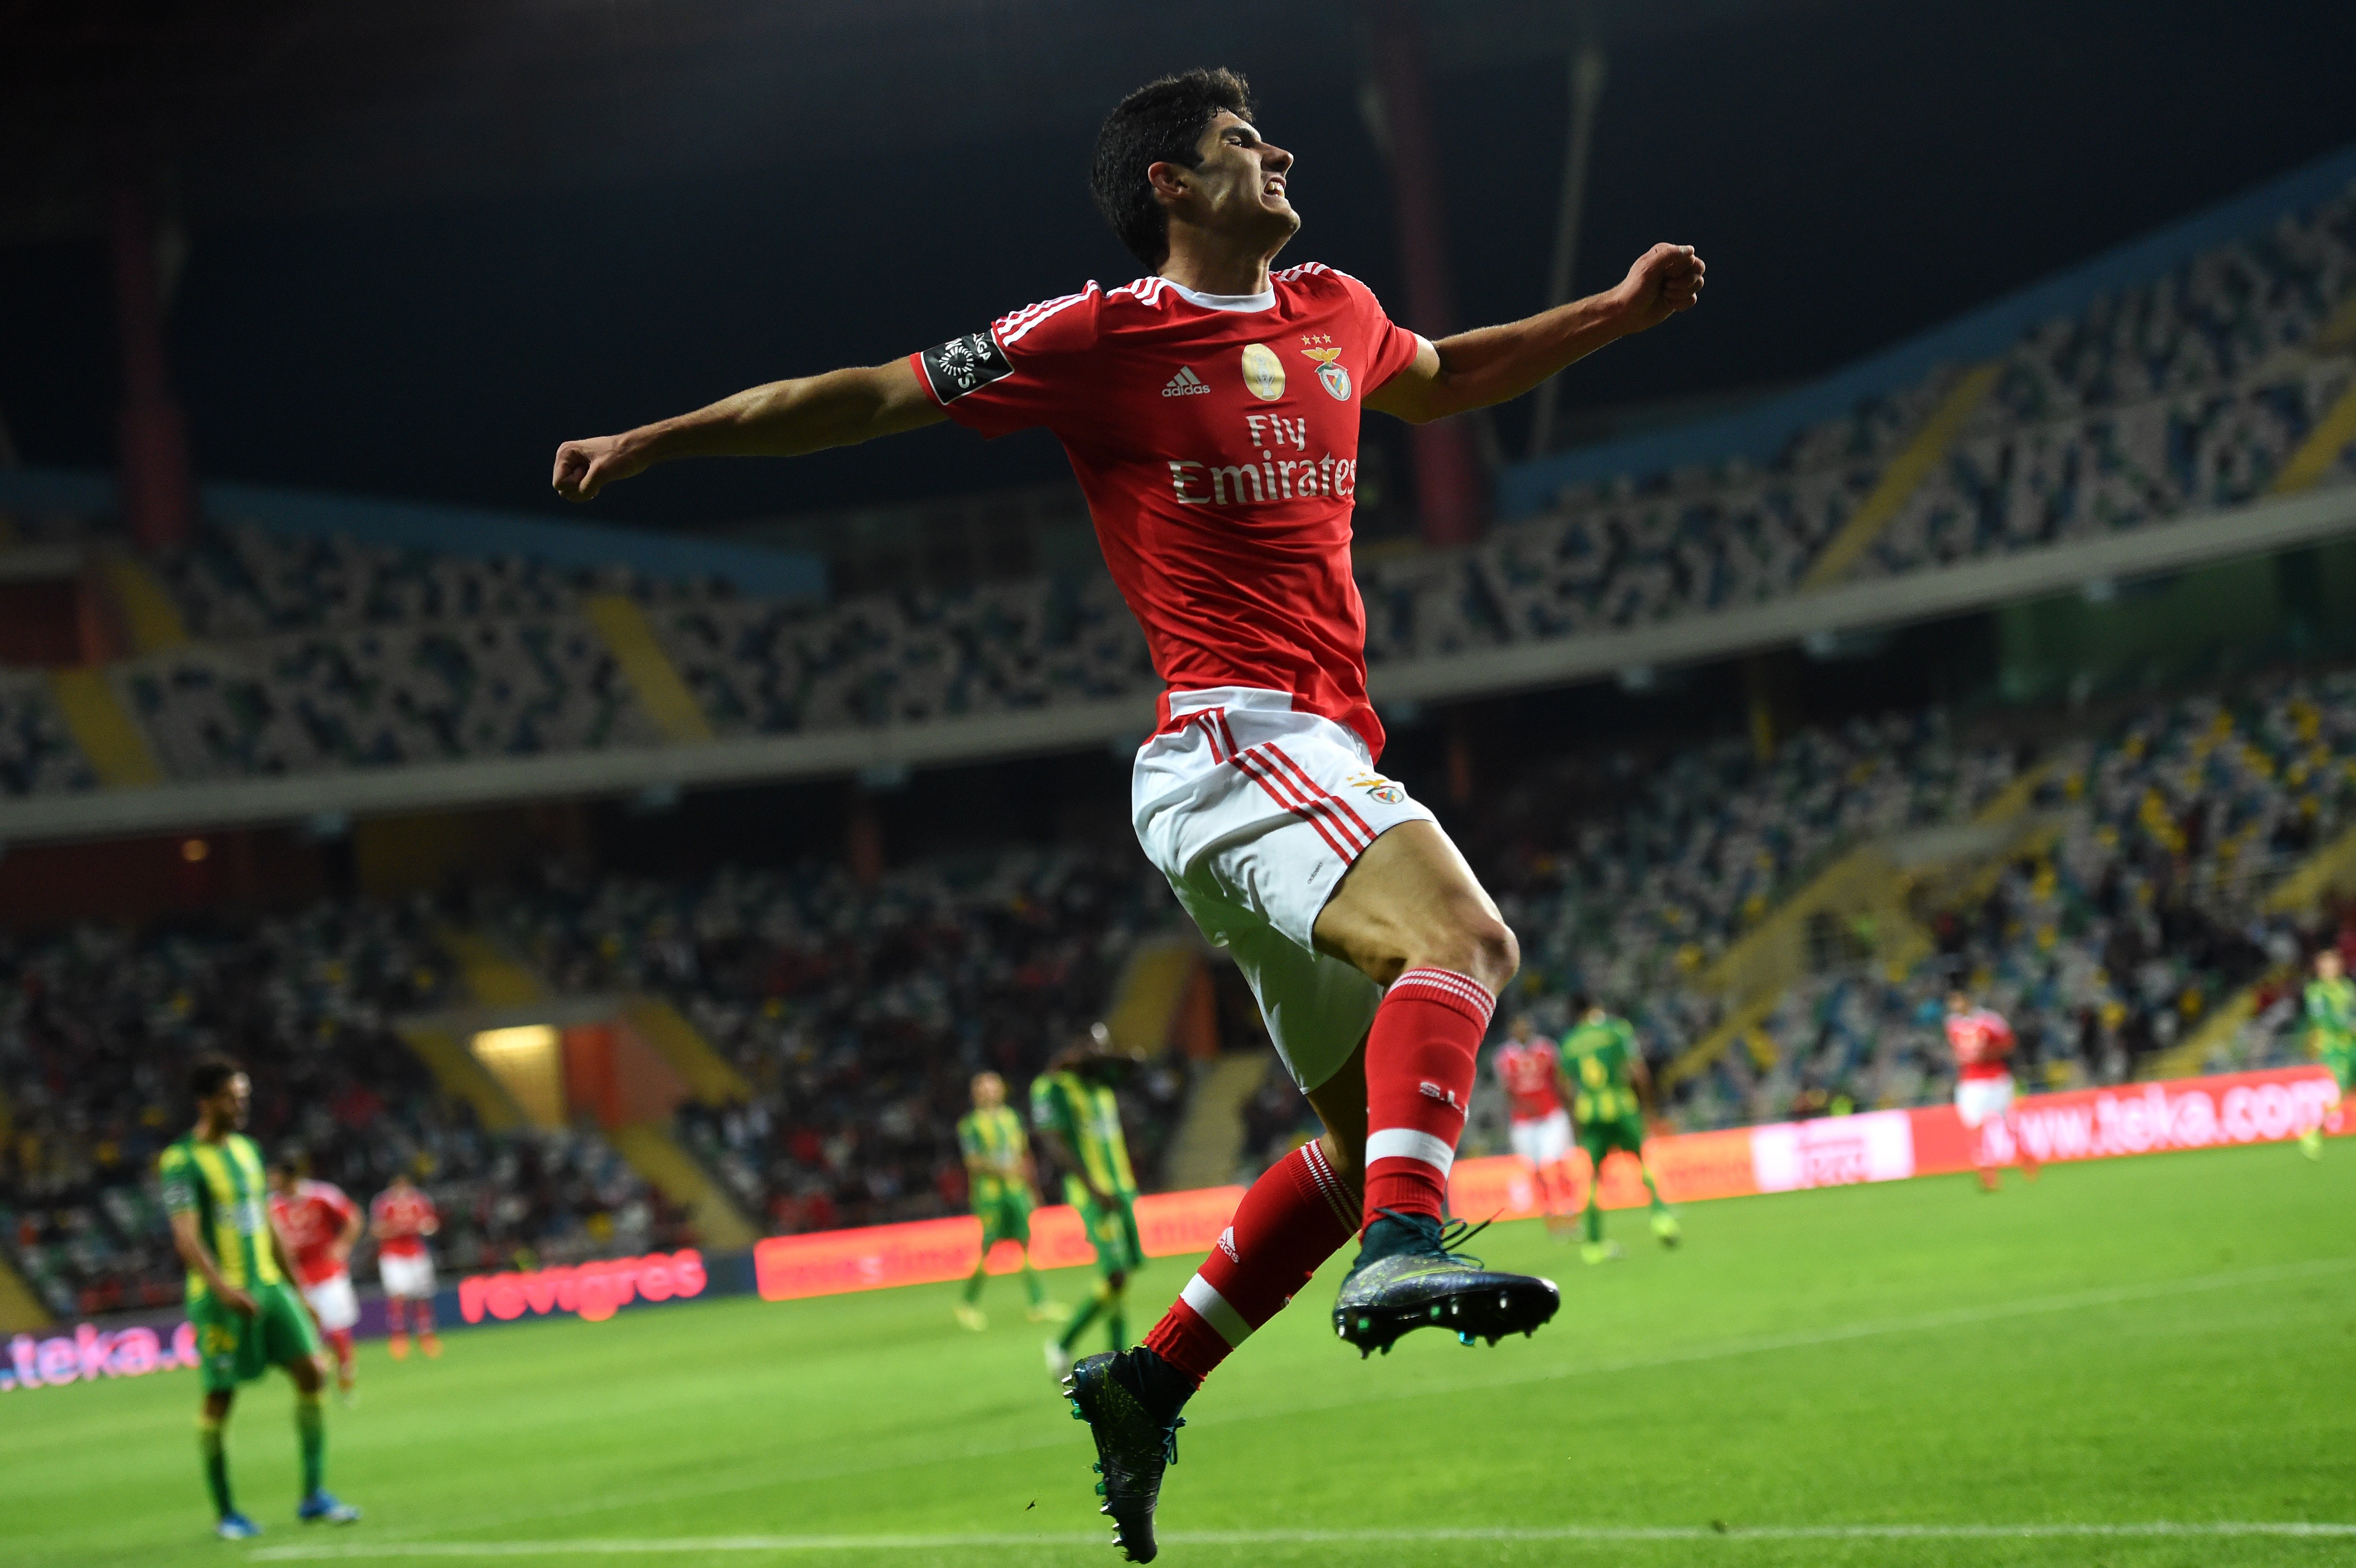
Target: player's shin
point(1421, 1058)
point(311, 1431)
point(1298, 1214)
point(213, 1452)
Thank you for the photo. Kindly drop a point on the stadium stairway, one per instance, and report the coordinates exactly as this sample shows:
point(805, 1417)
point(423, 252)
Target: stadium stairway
point(2331, 868)
point(21, 1311)
point(510, 990)
point(1875, 879)
point(1210, 1139)
point(661, 690)
point(1902, 477)
point(110, 742)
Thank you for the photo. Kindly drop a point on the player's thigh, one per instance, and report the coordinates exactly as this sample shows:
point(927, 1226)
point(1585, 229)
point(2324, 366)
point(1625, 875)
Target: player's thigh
point(1317, 1008)
point(1410, 900)
point(334, 1302)
point(288, 1337)
point(223, 1340)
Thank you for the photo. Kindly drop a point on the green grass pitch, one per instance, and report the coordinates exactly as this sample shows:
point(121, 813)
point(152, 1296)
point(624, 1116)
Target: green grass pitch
point(2127, 1363)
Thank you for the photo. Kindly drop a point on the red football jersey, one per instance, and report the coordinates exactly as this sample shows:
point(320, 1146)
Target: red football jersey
point(1527, 1069)
point(402, 1221)
point(311, 1220)
point(1217, 439)
point(1982, 1043)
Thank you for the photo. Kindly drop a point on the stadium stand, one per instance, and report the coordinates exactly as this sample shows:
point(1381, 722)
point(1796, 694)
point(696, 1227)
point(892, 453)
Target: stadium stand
point(38, 752)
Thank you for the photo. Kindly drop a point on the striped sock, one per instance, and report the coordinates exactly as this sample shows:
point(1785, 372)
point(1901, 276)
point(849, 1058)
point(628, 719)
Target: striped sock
point(213, 1451)
point(1296, 1216)
point(1420, 1062)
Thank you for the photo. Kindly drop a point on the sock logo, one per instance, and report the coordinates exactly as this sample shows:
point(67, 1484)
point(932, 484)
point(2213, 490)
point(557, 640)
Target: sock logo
point(1227, 1245)
point(1434, 1092)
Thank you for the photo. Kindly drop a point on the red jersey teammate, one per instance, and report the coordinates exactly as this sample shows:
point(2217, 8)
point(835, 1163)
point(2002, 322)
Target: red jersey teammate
point(401, 1219)
point(320, 1226)
point(1531, 1070)
point(1210, 410)
point(1983, 1044)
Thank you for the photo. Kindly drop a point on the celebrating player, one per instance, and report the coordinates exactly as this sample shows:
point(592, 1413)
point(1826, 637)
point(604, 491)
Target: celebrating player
point(1529, 1069)
point(998, 1179)
point(2331, 1031)
point(1079, 1122)
point(1211, 412)
point(319, 1226)
point(1604, 1074)
point(247, 1319)
point(401, 1218)
point(1982, 1045)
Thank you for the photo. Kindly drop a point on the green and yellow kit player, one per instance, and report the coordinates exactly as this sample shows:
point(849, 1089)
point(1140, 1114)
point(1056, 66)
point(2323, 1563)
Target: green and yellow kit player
point(2330, 1030)
point(997, 1178)
point(1607, 1086)
point(242, 1303)
point(1077, 1122)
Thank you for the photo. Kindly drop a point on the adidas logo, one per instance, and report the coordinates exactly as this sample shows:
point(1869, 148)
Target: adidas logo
point(1227, 1236)
point(1185, 384)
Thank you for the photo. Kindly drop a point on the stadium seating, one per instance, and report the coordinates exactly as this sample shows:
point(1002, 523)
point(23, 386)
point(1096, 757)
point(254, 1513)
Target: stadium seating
point(100, 1023)
point(38, 754)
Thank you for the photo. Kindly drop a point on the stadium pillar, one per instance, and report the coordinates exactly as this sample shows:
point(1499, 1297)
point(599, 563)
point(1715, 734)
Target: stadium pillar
point(158, 498)
point(1447, 481)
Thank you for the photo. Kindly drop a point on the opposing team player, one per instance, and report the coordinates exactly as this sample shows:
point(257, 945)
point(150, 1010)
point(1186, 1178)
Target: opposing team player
point(1210, 410)
point(1529, 1069)
point(1604, 1075)
point(999, 1181)
point(320, 1225)
point(246, 1316)
point(401, 1219)
point(2331, 1031)
point(1983, 1044)
point(1077, 1118)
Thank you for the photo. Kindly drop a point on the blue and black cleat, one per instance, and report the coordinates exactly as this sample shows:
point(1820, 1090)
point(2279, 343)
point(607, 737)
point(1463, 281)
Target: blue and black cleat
point(1134, 1446)
point(1408, 1275)
point(322, 1507)
point(235, 1526)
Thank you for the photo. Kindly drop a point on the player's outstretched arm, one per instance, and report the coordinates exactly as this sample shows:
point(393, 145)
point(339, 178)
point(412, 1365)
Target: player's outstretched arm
point(784, 419)
point(1497, 364)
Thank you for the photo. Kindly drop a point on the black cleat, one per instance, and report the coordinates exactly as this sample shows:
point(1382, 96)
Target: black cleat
point(1408, 1277)
point(1133, 1448)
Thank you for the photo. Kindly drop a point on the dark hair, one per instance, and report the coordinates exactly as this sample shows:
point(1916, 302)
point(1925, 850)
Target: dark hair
point(1161, 122)
point(210, 1071)
point(290, 1163)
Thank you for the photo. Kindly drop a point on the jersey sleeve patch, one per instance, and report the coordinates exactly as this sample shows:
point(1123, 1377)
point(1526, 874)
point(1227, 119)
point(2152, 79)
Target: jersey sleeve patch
point(958, 367)
point(178, 1175)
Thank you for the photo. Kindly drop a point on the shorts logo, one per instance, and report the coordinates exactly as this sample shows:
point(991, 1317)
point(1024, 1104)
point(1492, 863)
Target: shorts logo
point(1330, 375)
point(1185, 384)
point(958, 365)
point(1263, 372)
point(1378, 788)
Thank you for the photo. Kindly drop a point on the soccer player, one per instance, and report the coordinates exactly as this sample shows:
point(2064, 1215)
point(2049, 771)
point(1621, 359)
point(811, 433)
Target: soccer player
point(997, 1178)
point(319, 1226)
point(1077, 1118)
point(1983, 1044)
point(1210, 410)
point(401, 1218)
point(2331, 1031)
point(1605, 1078)
point(1529, 1069)
point(246, 1316)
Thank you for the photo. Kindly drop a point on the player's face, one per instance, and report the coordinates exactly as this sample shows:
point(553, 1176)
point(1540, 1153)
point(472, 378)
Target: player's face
point(2328, 963)
point(1240, 186)
point(234, 1103)
point(1958, 1003)
point(988, 1091)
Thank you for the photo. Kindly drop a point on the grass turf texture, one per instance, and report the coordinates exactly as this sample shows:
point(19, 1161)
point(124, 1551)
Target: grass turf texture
point(2128, 1343)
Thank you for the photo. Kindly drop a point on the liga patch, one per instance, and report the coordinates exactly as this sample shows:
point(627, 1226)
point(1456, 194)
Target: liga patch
point(958, 365)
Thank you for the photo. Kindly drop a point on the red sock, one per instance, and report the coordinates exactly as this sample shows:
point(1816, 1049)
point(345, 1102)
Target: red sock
point(341, 1338)
point(424, 1308)
point(1296, 1216)
point(396, 1315)
point(1420, 1060)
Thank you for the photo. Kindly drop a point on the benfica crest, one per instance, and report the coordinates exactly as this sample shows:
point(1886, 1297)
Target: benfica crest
point(1330, 375)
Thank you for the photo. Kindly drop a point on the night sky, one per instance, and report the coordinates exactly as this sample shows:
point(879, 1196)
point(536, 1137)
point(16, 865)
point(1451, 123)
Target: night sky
point(1852, 173)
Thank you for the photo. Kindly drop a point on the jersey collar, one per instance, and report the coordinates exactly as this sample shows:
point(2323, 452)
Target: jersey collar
point(1264, 300)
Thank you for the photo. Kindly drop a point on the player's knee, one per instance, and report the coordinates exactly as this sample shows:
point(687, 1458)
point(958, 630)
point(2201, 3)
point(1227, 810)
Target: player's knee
point(1484, 945)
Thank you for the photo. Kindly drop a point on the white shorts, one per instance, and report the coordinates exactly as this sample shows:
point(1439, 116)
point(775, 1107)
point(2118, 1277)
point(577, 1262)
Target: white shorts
point(333, 1300)
point(1254, 812)
point(1979, 1100)
point(1542, 1140)
point(410, 1278)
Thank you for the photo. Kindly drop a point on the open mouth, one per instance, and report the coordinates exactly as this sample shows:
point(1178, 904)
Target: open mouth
point(1275, 185)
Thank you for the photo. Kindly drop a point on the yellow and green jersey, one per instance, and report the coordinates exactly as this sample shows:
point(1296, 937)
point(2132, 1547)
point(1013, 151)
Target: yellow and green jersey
point(2331, 1014)
point(996, 1139)
point(1088, 1117)
point(1597, 1055)
point(222, 1185)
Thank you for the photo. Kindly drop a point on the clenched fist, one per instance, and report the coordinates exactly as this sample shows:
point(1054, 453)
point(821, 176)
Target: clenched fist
point(1666, 279)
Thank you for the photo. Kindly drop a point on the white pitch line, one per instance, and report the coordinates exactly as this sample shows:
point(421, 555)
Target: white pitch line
point(2171, 1530)
point(2108, 1295)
